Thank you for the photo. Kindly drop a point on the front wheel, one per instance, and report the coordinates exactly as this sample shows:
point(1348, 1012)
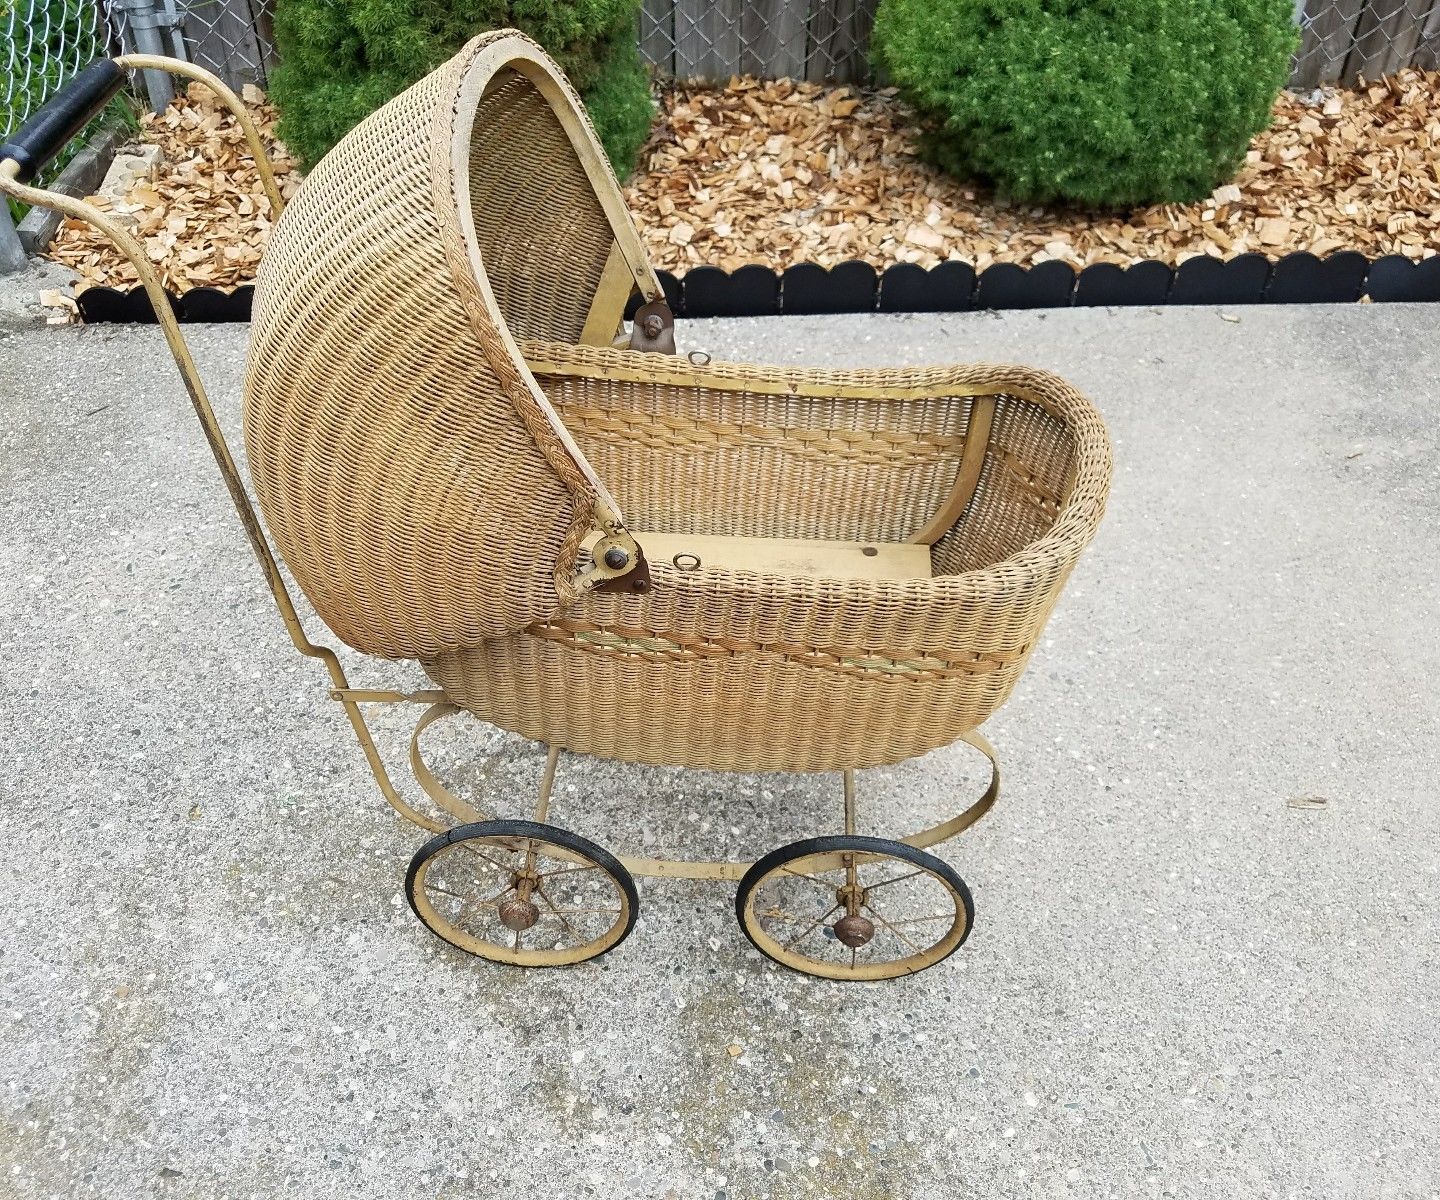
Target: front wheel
point(523, 893)
point(855, 908)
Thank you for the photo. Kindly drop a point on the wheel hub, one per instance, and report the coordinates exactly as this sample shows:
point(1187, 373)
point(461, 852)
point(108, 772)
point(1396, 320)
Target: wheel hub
point(854, 931)
point(518, 914)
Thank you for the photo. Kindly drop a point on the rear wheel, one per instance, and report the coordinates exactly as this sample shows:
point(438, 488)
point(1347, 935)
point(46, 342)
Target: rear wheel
point(852, 907)
point(522, 892)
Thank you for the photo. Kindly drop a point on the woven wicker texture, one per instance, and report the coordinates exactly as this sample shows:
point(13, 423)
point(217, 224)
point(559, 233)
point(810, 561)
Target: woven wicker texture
point(412, 482)
point(735, 670)
point(429, 480)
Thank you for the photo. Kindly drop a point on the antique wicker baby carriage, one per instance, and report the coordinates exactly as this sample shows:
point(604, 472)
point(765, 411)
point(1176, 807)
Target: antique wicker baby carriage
point(814, 570)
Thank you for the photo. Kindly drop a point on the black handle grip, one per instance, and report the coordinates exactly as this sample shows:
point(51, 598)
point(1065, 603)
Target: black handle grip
point(61, 117)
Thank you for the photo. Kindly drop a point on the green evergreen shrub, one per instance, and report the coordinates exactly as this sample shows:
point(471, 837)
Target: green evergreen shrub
point(1098, 102)
point(341, 59)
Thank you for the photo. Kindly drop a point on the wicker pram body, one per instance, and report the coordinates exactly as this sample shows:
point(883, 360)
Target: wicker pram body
point(433, 412)
point(652, 558)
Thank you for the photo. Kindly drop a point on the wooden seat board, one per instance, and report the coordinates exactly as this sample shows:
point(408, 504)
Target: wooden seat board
point(818, 558)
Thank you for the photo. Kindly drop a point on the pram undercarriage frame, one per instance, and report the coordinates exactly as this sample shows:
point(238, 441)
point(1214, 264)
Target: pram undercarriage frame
point(844, 866)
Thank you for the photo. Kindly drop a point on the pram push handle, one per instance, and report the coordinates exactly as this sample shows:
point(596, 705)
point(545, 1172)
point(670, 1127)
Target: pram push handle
point(75, 105)
point(12, 184)
point(63, 116)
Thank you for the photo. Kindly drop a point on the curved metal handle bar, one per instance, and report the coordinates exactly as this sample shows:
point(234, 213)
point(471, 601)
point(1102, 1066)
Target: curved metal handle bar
point(214, 435)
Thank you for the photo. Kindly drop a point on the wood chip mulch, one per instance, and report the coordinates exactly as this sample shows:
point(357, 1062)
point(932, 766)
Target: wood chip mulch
point(781, 173)
point(205, 219)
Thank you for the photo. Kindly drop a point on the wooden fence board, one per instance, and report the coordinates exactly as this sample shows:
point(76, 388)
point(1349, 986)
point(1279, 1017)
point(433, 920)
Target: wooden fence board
point(707, 38)
point(772, 35)
point(838, 50)
point(1427, 53)
point(862, 22)
point(829, 40)
point(263, 18)
point(821, 29)
point(1329, 34)
point(1385, 38)
point(221, 36)
point(657, 34)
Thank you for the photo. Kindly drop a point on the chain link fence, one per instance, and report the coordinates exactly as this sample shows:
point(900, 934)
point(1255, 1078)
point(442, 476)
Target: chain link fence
point(46, 41)
point(233, 38)
point(818, 40)
point(821, 40)
point(1344, 41)
point(1341, 41)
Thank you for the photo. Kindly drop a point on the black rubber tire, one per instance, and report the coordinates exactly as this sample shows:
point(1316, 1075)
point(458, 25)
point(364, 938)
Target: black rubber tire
point(858, 842)
point(553, 834)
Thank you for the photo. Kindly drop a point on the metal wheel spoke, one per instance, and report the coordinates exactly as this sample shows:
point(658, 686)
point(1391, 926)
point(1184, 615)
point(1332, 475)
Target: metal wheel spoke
point(829, 887)
point(580, 937)
point(851, 939)
point(495, 899)
point(816, 923)
point(494, 862)
point(490, 907)
point(917, 920)
point(898, 879)
point(566, 871)
point(488, 902)
point(893, 930)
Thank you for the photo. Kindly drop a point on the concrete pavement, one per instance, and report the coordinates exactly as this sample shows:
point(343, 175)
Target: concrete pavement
point(1205, 955)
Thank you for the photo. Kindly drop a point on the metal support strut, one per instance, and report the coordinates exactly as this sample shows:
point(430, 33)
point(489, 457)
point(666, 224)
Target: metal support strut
point(666, 868)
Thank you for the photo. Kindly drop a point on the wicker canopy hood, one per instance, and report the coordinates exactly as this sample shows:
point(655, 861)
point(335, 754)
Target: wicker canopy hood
point(421, 488)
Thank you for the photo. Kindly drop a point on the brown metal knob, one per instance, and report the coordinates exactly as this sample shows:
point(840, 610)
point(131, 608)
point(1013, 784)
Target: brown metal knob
point(518, 914)
point(854, 931)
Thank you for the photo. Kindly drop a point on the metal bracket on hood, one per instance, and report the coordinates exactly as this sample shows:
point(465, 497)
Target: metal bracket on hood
point(654, 329)
point(617, 562)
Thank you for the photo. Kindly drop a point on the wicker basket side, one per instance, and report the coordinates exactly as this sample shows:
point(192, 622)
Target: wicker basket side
point(755, 463)
point(851, 454)
point(786, 672)
point(715, 708)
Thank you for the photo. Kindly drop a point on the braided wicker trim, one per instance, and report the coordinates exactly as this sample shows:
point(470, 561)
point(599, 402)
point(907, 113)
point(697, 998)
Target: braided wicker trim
point(638, 643)
point(488, 324)
point(875, 447)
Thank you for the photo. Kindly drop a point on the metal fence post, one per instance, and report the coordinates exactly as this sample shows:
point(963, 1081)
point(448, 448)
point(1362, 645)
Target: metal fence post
point(145, 30)
point(12, 254)
point(173, 20)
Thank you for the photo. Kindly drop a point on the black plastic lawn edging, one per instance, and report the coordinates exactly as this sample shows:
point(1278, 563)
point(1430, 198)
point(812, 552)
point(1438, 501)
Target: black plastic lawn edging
point(852, 287)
